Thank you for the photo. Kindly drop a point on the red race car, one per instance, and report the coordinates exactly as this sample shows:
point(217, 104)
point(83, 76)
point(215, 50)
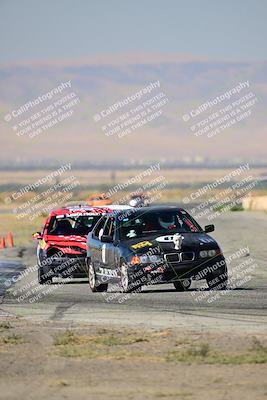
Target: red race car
point(61, 249)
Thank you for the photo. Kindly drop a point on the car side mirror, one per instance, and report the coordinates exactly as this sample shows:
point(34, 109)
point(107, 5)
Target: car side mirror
point(37, 235)
point(106, 239)
point(209, 228)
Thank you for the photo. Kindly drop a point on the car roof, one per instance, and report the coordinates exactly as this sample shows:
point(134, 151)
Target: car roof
point(153, 209)
point(116, 207)
point(80, 209)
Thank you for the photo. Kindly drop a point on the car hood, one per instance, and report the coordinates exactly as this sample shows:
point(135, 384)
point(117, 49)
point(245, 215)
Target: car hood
point(66, 240)
point(165, 244)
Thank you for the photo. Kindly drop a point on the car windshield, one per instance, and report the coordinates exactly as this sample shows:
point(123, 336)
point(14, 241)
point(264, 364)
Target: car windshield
point(78, 225)
point(161, 222)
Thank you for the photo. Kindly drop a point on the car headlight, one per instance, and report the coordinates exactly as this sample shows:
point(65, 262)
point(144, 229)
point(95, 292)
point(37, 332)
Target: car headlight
point(156, 258)
point(144, 259)
point(153, 259)
point(207, 253)
point(212, 253)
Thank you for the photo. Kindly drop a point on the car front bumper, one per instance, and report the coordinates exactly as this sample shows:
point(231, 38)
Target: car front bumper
point(171, 272)
point(66, 266)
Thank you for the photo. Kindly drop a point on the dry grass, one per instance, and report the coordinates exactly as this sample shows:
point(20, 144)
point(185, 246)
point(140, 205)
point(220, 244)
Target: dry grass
point(161, 347)
point(105, 338)
point(70, 344)
point(21, 229)
point(4, 326)
point(202, 354)
point(10, 340)
point(106, 177)
point(102, 180)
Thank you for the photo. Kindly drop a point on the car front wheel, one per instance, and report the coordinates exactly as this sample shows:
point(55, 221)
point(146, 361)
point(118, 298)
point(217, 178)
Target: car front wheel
point(94, 286)
point(127, 284)
point(182, 285)
point(125, 281)
point(218, 282)
point(42, 278)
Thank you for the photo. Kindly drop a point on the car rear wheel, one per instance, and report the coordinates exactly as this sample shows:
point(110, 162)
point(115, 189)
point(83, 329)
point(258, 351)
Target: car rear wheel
point(95, 287)
point(182, 285)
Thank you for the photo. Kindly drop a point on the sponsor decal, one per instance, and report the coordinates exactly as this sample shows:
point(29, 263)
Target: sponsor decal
point(166, 238)
point(191, 225)
point(108, 272)
point(131, 234)
point(177, 240)
point(80, 214)
point(140, 245)
point(159, 270)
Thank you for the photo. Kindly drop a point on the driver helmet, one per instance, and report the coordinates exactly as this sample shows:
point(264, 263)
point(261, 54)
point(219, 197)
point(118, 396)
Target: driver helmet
point(136, 202)
point(166, 221)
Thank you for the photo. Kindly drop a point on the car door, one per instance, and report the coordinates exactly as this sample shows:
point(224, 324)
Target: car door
point(107, 251)
point(114, 253)
point(96, 244)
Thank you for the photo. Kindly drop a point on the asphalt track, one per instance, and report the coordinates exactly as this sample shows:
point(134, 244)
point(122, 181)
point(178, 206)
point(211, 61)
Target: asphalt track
point(244, 306)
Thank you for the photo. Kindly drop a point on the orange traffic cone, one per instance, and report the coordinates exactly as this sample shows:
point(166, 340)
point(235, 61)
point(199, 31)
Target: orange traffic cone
point(2, 243)
point(10, 239)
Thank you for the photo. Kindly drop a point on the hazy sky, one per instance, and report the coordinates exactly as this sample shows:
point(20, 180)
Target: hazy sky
point(41, 29)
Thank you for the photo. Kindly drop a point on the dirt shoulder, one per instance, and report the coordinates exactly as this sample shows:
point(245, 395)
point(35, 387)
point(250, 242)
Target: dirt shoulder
point(75, 345)
point(60, 361)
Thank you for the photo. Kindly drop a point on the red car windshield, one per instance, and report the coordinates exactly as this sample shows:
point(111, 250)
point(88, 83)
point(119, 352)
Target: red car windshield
point(76, 225)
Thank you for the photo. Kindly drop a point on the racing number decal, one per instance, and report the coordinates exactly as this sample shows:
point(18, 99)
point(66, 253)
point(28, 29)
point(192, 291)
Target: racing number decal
point(167, 238)
point(104, 247)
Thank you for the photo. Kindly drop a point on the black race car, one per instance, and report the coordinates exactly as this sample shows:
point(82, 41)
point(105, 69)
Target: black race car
point(154, 245)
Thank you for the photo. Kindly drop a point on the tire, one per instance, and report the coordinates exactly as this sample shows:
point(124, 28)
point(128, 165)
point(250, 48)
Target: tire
point(183, 285)
point(42, 279)
point(94, 286)
point(124, 279)
point(222, 284)
point(127, 284)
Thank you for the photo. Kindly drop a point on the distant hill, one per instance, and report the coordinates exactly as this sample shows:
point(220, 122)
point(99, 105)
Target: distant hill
point(100, 83)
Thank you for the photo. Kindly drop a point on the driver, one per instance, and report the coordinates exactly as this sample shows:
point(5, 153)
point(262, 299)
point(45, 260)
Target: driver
point(167, 221)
